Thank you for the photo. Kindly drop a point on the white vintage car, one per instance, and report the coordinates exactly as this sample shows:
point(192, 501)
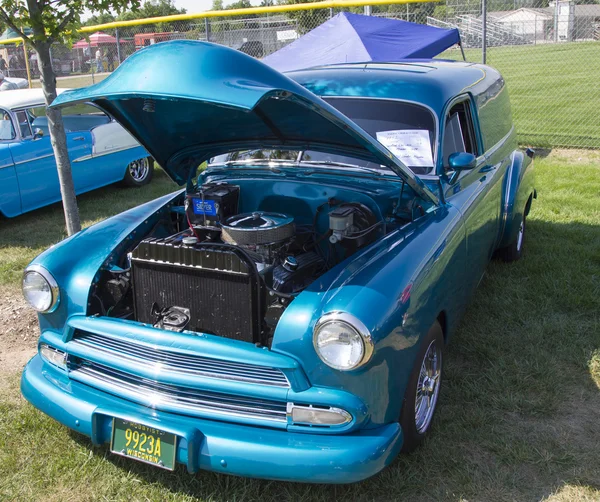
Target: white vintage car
point(21, 83)
point(101, 152)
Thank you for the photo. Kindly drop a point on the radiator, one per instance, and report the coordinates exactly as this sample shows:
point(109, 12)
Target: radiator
point(214, 282)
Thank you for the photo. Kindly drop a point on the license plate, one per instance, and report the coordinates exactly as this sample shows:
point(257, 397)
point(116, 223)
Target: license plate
point(143, 443)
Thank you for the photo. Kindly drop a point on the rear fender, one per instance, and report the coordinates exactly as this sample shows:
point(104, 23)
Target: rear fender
point(518, 188)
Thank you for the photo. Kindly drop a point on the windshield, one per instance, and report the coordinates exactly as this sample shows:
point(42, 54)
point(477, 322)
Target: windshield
point(406, 129)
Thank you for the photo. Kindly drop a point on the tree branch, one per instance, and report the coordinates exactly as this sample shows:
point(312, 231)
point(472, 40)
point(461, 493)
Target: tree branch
point(8, 20)
point(59, 29)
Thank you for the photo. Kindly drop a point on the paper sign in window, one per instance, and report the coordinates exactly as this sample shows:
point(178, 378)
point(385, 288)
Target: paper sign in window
point(411, 146)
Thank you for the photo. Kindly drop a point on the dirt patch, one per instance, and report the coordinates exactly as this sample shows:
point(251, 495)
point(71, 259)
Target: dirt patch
point(574, 156)
point(19, 330)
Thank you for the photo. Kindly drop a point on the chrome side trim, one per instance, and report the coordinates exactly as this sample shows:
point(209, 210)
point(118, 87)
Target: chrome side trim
point(94, 155)
point(34, 159)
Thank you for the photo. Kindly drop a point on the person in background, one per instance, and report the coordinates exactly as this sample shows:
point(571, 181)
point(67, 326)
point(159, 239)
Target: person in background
point(5, 85)
point(99, 67)
point(3, 65)
point(12, 64)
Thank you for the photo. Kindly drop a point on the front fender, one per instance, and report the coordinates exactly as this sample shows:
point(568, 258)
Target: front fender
point(75, 262)
point(397, 287)
point(519, 186)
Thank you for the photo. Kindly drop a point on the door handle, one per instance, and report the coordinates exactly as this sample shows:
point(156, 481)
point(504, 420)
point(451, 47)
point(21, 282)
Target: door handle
point(79, 138)
point(486, 169)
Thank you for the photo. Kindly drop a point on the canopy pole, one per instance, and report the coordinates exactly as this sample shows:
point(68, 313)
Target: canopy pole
point(462, 50)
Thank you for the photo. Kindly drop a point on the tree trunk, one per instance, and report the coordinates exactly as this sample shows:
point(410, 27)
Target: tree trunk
point(58, 138)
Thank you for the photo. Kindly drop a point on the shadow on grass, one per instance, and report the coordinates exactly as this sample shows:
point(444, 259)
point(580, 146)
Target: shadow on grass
point(520, 405)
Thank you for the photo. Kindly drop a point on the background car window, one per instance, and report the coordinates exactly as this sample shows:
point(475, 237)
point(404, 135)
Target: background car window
point(7, 130)
point(24, 124)
point(459, 135)
point(80, 117)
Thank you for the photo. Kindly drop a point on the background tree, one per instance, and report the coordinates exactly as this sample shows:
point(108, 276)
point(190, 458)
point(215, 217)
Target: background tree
point(56, 21)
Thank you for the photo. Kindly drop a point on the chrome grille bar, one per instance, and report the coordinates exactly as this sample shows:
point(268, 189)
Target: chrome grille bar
point(165, 396)
point(141, 353)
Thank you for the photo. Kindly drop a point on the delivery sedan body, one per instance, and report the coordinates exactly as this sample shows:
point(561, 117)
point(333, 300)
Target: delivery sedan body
point(285, 315)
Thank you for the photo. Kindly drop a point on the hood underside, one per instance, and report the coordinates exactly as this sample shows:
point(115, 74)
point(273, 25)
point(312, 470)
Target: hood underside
point(188, 101)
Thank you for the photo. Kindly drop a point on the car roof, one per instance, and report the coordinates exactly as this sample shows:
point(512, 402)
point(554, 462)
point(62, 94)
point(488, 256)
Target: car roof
point(428, 81)
point(23, 98)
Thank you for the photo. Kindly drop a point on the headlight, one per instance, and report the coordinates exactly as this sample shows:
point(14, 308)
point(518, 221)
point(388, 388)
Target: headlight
point(342, 341)
point(40, 289)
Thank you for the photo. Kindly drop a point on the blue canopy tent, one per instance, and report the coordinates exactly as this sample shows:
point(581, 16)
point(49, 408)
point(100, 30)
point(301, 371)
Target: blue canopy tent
point(352, 38)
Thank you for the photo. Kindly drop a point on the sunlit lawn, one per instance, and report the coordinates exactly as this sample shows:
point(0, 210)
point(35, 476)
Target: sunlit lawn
point(519, 411)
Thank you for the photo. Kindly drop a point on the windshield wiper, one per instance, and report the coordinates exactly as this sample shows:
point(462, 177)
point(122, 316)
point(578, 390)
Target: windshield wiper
point(254, 161)
point(343, 164)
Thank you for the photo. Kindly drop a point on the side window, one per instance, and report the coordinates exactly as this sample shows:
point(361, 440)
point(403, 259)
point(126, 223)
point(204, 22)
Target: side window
point(459, 133)
point(7, 130)
point(24, 124)
point(83, 117)
point(38, 119)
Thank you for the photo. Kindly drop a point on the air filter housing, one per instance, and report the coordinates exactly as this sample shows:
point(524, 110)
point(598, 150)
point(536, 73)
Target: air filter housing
point(258, 229)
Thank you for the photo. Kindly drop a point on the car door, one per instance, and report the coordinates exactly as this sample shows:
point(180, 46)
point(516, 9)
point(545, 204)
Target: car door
point(10, 198)
point(472, 192)
point(35, 161)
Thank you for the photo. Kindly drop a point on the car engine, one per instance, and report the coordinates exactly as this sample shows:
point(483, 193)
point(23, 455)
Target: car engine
point(232, 274)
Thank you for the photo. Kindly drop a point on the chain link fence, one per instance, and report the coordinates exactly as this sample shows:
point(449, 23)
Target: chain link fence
point(549, 54)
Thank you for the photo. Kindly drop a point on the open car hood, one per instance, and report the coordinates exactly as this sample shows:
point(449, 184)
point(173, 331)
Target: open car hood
point(188, 101)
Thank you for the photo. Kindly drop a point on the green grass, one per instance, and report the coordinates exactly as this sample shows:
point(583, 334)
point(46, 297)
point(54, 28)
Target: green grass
point(519, 409)
point(24, 237)
point(554, 90)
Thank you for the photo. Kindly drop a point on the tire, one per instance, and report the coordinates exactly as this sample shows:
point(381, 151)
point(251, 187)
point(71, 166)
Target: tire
point(139, 172)
point(416, 423)
point(514, 251)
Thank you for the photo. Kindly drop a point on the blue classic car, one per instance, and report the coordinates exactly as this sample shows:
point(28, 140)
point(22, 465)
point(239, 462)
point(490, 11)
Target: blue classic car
point(285, 315)
point(101, 152)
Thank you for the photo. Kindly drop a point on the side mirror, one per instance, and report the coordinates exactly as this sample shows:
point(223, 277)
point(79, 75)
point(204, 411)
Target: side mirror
point(38, 133)
point(461, 161)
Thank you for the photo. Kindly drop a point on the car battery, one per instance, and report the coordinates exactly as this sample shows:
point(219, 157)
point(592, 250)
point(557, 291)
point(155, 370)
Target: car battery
point(212, 204)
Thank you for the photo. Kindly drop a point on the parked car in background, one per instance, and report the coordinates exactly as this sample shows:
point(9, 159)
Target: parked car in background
point(285, 316)
point(21, 83)
point(101, 152)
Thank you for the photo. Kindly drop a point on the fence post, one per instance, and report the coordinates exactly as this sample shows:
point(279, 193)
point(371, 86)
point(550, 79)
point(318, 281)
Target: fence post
point(207, 28)
point(118, 45)
point(92, 62)
point(27, 62)
point(483, 31)
point(367, 10)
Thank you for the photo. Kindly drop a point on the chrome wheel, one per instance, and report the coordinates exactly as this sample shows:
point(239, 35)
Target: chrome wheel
point(520, 235)
point(139, 169)
point(428, 387)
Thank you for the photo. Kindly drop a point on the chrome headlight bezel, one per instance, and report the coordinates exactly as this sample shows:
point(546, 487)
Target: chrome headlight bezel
point(54, 290)
point(354, 325)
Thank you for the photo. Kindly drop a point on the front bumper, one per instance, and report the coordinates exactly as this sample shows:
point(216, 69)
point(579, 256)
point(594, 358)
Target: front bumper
point(217, 446)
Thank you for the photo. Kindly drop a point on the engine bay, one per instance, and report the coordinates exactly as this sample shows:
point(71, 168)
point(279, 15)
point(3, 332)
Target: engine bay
point(215, 269)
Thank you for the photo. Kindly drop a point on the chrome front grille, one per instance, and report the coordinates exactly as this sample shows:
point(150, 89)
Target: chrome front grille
point(190, 364)
point(176, 398)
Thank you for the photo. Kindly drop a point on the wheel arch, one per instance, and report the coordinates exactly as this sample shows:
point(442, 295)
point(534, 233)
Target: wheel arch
point(517, 196)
